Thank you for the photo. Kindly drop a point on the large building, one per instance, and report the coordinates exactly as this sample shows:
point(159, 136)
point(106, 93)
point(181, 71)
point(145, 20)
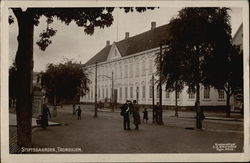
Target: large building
point(131, 61)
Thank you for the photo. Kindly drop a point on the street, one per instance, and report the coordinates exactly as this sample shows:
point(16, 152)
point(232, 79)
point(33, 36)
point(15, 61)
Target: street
point(105, 134)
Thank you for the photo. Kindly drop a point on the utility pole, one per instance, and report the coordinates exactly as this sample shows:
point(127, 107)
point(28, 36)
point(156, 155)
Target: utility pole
point(112, 93)
point(160, 86)
point(95, 90)
point(153, 96)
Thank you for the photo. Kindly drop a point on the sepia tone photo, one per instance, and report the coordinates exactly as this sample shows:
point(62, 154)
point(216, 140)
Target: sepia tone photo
point(126, 80)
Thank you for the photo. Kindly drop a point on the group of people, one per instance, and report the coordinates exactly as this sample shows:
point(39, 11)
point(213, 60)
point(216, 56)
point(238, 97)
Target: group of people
point(77, 111)
point(130, 109)
point(157, 113)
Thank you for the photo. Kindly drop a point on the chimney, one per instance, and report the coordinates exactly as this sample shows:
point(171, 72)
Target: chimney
point(126, 35)
point(153, 25)
point(107, 43)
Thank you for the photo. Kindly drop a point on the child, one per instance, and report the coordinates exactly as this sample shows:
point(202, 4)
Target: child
point(145, 115)
point(79, 111)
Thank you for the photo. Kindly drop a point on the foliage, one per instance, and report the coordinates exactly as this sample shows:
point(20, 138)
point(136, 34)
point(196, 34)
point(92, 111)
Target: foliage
point(66, 80)
point(171, 68)
point(199, 33)
point(229, 76)
point(89, 18)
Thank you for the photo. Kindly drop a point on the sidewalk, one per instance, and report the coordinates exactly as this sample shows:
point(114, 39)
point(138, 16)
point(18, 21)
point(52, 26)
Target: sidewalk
point(210, 115)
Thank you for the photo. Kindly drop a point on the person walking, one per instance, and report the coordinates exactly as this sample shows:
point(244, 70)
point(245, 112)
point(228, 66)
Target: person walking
point(145, 115)
point(79, 112)
point(74, 109)
point(125, 112)
point(136, 115)
point(44, 118)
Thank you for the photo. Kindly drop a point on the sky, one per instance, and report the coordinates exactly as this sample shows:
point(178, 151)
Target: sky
point(71, 41)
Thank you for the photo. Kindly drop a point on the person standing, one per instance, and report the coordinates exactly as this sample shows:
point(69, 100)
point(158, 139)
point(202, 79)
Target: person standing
point(125, 112)
point(145, 115)
point(74, 109)
point(44, 118)
point(199, 116)
point(136, 115)
point(79, 112)
point(157, 112)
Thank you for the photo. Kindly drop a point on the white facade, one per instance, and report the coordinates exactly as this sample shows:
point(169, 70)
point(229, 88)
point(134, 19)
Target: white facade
point(135, 72)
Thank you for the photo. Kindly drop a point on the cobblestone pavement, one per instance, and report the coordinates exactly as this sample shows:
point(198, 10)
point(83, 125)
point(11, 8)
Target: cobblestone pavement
point(106, 135)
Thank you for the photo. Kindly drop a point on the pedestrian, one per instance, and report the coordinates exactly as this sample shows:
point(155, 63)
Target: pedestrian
point(74, 109)
point(125, 112)
point(199, 116)
point(54, 111)
point(136, 115)
point(79, 112)
point(157, 112)
point(145, 115)
point(44, 118)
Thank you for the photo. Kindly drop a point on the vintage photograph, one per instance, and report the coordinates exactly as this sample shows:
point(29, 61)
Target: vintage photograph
point(126, 80)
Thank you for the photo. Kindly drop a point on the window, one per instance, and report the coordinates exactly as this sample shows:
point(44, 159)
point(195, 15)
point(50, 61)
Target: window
point(158, 92)
point(206, 93)
point(102, 92)
point(131, 73)
point(120, 92)
point(116, 72)
point(121, 71)
point(167, 94)
point(131, 92)
point(99, 92)
point(150, 67)
point(126, 71)
point(143, 68)
point(107, 92)
point(91, 93)
point(137, 68)
point(221, 94)
point(137, 92)
point(143, 91)
point(150, 91)
point(191, 95)
point(126, 92)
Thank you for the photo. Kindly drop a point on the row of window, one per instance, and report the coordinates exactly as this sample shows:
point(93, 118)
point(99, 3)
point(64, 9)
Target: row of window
point(191, 95)
point(128, 71)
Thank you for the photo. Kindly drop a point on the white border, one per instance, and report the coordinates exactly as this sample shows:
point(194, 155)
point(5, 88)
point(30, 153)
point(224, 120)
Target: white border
point(211, 157)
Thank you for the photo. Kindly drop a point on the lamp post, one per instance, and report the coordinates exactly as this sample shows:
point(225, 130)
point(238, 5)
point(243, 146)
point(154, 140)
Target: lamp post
point(160, 86)
point(95, 90)
point(112, 93)
point(137, 94)
point(153, 97)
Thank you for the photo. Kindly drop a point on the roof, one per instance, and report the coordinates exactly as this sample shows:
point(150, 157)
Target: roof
point(141, 42)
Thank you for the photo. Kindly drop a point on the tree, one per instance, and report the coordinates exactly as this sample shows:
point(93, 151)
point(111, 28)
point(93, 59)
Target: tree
point(229, 77)
point(88, 18)
point(55, 86)
point(12, 85)
point(172, 72)
point(196, 34)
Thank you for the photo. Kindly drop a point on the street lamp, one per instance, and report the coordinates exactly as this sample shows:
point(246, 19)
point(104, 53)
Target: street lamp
point(137, 94)
point(153, 97)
